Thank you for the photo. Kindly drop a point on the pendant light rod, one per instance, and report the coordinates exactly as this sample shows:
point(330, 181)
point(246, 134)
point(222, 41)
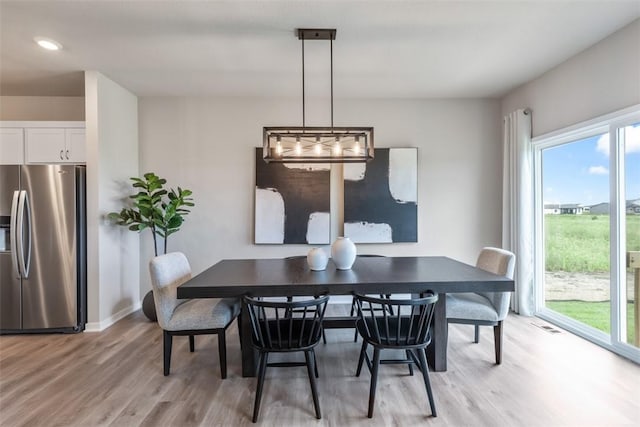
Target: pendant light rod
point(316, 34)
point(331, 53)
point(303, 116)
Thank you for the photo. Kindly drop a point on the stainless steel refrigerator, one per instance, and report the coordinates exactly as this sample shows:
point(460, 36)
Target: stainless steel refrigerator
point(42, 248)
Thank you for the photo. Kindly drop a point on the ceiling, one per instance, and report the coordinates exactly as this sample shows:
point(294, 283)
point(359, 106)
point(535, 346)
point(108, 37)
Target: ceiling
point(387, 49)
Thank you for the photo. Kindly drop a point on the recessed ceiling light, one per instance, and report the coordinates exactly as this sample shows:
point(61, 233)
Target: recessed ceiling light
point(48, 44)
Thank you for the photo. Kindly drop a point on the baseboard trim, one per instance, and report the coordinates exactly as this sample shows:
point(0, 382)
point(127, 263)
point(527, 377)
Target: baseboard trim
point(104, 324)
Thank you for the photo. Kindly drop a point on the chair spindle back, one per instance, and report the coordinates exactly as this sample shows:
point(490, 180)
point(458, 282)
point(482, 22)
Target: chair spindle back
point(407, 326)
point(286, 326)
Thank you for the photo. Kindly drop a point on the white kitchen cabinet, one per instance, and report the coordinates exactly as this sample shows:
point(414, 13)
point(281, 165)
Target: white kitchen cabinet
point(24, 142)
point(54, 145)
point(11, 146)
point(76, 144)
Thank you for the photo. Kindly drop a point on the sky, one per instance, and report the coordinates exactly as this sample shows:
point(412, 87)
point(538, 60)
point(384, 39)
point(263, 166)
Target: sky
point(578, 172)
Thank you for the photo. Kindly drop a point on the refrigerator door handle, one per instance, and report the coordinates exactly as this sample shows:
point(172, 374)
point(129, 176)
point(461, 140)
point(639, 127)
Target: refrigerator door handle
point(13, 233)
point(24, 240)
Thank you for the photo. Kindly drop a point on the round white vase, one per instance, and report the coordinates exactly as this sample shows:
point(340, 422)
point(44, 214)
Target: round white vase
point(317, 259)
point(343, 253)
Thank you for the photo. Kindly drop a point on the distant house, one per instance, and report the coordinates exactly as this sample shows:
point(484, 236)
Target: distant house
point(600, 209)
point(552, 209)
point(565, 209)
point(572, 209)
point(633, 207)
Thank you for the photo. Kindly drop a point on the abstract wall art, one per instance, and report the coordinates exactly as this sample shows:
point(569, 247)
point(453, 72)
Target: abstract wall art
point(292, 203)
point(381, 197)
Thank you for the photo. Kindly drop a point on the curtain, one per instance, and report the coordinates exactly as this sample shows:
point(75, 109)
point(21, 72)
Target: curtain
point(517, 206)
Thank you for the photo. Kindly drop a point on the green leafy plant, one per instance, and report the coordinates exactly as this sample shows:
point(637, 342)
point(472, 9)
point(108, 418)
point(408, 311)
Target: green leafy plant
point(160, 210)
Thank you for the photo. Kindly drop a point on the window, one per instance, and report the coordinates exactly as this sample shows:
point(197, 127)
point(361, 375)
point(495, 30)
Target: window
point(587, 181)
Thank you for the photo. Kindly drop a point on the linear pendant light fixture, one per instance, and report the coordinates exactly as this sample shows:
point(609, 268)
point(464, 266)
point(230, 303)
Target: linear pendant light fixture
point(313, 144)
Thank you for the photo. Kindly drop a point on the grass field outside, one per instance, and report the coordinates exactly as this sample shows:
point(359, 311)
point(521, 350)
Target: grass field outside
point(580, 244)
point(595, 314)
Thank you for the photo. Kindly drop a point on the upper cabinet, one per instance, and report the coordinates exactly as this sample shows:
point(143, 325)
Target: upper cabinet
point(11, 146)
point(42, 142)
point(54, 145)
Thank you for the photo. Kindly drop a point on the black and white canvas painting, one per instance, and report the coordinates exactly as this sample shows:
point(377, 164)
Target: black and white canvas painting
point(381, 197)
point(292, 203)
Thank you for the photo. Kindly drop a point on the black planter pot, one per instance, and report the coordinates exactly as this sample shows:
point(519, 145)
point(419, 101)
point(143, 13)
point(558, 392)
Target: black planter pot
point(149, 307)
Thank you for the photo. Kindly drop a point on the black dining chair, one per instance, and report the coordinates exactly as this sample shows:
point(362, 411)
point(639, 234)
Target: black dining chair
point(289, 298)
point(353, 302)
point(286, 327)
point(407, 329)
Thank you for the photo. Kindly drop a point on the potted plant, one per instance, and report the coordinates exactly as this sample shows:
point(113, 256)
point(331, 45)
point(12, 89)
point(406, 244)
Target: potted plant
point(155, 208)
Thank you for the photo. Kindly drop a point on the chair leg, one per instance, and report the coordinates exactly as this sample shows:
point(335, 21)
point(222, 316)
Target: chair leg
point(262, 369)
point(476, 334)
point(353, 309)
point(497, 338)
point(222, 352)
point(425, 374)
point(408, 352)
point(361, 359)
point(315, 363)
point(374, 380)
point(192, 343)
point(167, 342)
point(324, 337)
point(309, 356)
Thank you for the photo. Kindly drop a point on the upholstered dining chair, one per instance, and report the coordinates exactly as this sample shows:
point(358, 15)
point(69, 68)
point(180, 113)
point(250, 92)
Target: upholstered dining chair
point(485, 308)
point(187, 317)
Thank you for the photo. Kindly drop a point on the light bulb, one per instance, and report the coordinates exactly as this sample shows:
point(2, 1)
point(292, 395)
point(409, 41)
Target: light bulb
point(278, 147)
point(298, 148)
point(337, 150)
point(356, 146)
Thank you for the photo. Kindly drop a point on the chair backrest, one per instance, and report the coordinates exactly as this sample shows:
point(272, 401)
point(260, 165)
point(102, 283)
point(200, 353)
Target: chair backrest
point(286, 326)
point(501, 262)
point(407, 327)
point(167, 273)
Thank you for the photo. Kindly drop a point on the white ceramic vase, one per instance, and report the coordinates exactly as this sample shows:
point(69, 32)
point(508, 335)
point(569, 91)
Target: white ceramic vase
point(317, 259)
point(343, 253)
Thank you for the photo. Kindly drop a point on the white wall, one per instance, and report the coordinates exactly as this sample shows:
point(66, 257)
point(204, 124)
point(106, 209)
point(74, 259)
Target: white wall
point(112, 157)
point(600, 80)
point(206, 144)
point(66, 108)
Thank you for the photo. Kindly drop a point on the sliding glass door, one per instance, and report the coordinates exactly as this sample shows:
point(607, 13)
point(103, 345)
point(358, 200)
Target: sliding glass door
point(629, 137)
point(588, 231)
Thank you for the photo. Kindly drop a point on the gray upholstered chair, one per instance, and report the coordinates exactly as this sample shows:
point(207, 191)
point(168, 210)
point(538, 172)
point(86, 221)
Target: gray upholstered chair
point(187, 317)
point(485, 308)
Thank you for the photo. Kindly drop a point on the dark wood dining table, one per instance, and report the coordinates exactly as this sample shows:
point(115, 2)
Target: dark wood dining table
point(368, 275)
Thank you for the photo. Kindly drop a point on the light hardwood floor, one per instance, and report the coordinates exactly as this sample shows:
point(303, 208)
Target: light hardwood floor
point(115, 378)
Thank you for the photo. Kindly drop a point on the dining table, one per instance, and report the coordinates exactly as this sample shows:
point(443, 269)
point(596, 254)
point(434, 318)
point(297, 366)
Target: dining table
point(279, 277)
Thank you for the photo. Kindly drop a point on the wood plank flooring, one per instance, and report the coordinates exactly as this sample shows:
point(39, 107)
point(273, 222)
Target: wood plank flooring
point(114, 378)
